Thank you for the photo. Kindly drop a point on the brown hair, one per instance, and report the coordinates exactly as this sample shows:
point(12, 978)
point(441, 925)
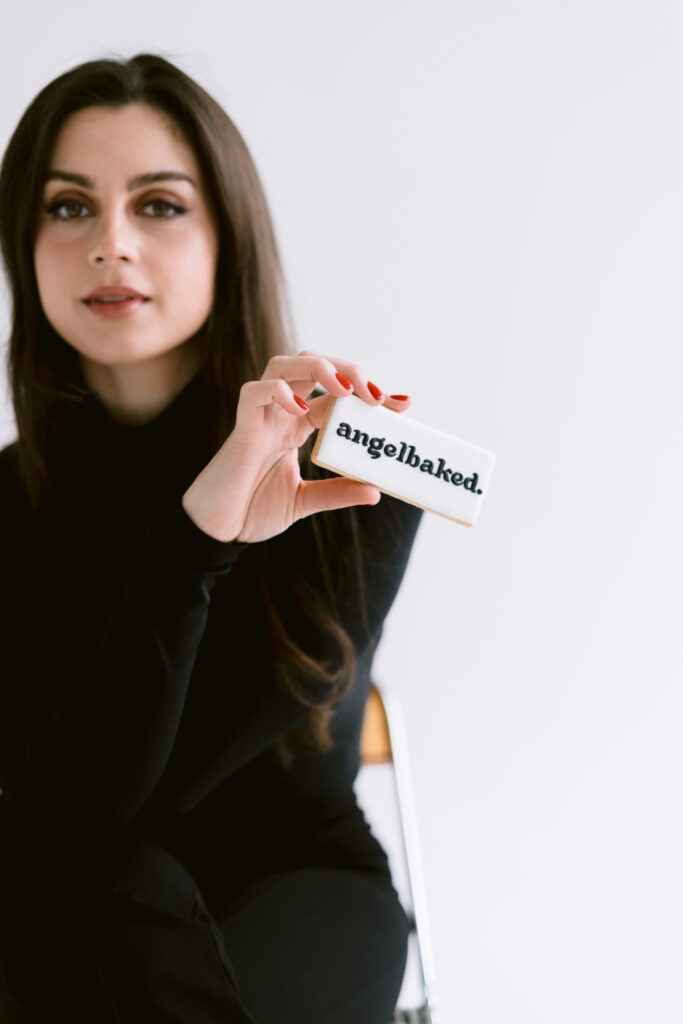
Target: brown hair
point(249, 296)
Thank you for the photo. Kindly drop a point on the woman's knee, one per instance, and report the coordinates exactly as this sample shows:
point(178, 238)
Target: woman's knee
point(150, 874)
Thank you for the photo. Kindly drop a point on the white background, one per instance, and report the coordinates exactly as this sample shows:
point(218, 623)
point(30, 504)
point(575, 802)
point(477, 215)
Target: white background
point(481, 202)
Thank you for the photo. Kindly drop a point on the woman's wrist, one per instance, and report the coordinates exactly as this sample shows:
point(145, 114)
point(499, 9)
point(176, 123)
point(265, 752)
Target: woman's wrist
point(195, 510)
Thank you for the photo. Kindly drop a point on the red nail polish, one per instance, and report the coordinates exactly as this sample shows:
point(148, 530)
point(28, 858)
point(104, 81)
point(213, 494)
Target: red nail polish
point(344, 382)
point(374, 391)
point(399, 398)
point(300, 402)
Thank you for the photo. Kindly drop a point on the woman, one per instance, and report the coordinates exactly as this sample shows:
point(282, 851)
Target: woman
point(187, 624)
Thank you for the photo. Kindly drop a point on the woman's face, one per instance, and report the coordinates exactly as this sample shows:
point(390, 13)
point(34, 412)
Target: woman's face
point(108, 228)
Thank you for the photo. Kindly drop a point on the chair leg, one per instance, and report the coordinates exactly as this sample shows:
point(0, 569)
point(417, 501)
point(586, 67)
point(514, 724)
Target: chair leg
point(429, 1012)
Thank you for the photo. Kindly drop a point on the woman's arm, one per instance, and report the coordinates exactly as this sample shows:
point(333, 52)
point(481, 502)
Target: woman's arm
point(83, 746)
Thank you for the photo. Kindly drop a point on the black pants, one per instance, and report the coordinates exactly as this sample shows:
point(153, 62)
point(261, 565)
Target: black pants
point(311, 946)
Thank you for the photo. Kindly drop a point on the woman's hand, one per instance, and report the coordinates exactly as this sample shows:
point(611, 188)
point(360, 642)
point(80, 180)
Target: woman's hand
point(252, 488)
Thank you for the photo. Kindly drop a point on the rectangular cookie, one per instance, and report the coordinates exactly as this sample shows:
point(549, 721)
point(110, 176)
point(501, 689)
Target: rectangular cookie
point(404, 458)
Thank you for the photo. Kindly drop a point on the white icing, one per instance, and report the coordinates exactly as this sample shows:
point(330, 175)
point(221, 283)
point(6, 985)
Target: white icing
point(405, 458)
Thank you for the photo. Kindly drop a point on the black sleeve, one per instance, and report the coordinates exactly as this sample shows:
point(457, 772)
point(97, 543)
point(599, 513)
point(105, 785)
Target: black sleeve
point(88, 760)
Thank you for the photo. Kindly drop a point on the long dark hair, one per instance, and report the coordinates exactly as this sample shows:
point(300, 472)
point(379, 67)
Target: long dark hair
point(249, 297)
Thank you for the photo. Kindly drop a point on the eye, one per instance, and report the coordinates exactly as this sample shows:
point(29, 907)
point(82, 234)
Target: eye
point(173, 209)
point(62, 204)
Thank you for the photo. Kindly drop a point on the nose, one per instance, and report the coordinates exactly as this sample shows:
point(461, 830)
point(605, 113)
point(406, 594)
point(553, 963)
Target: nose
point(113, 239)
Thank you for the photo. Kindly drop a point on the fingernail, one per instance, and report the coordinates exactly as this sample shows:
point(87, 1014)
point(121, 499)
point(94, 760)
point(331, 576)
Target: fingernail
point(399, 398)
point(344, 382)
point(374, 391)
point(300, 402)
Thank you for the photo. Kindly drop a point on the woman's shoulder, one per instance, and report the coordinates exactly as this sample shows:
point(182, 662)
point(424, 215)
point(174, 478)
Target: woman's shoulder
point(11, 518)
point(13, 500)
point(8, 451)
point(387, 528)
point(9, 467)
point(380, 536)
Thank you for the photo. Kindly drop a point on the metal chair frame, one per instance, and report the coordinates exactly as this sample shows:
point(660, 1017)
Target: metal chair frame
point(384, 741)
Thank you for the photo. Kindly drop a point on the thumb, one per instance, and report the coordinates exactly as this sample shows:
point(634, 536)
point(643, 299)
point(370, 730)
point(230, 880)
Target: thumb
point(325, 495)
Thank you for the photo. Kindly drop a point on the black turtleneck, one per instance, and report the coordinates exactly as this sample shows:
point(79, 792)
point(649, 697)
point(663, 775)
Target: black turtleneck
point(137, 694)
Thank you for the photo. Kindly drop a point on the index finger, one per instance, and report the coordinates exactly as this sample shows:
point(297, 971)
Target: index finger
point(304, 371)
point(366, 389)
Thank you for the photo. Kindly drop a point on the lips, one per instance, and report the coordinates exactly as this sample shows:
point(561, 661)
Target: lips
point(112, 293)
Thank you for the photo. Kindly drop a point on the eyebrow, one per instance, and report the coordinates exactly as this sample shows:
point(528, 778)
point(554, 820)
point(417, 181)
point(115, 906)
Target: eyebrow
point(150, 178)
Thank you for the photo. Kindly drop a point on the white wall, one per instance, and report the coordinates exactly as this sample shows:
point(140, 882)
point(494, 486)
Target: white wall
point(481, 202)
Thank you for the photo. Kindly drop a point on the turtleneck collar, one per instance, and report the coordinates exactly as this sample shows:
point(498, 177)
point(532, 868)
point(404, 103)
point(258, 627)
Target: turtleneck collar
point(96, 415)
point(106, 458)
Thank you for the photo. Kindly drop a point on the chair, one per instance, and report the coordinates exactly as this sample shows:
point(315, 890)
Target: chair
point(384, 791)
